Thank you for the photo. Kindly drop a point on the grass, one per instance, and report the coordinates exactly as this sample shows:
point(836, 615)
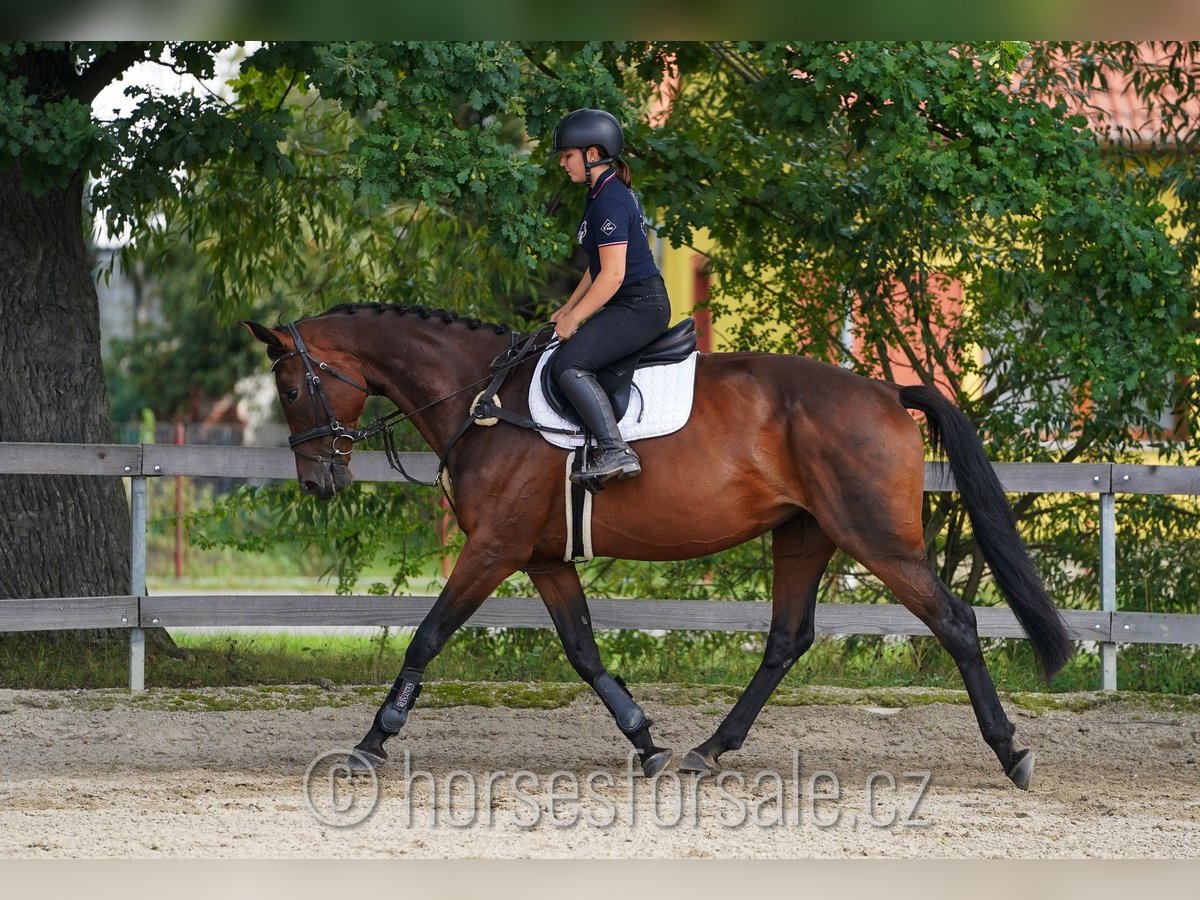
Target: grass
point(721, 664)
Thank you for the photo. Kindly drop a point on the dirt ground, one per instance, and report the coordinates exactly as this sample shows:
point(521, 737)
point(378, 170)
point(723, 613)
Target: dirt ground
point(98, 774)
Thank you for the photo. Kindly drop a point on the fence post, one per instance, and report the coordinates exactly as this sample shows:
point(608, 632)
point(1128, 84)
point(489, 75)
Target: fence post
point(137, 579)
point(1108, 585)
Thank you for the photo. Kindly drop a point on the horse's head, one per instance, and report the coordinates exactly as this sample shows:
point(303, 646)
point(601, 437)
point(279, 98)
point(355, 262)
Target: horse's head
point(323, 396)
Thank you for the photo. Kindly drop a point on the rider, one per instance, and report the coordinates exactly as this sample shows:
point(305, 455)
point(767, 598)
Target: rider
point(621, 303)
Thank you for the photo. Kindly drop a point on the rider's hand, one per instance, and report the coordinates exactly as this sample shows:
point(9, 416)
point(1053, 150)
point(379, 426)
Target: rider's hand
point(565, 326)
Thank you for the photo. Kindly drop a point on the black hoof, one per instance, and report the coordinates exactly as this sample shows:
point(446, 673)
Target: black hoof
point(656, 762)
point(1022, 770)
point(361, 761)
point(696, 762)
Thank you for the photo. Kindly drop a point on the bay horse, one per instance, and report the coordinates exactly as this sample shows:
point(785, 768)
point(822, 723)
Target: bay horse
point(819, 456)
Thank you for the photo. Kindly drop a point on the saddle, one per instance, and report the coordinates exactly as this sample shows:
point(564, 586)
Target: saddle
point(674, 345)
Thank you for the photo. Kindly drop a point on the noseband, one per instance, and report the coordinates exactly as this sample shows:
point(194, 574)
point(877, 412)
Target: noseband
point(332, 427)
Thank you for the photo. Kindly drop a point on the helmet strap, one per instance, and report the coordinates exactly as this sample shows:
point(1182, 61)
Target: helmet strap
point(588, 166)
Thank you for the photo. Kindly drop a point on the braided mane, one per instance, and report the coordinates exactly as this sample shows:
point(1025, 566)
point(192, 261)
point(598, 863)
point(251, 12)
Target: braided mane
point(424, 312)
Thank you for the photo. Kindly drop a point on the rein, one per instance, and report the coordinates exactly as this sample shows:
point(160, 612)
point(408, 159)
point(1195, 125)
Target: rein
point(514, 356)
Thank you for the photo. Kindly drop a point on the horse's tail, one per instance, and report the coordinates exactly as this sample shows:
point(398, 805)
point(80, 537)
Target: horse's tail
point(995, 528)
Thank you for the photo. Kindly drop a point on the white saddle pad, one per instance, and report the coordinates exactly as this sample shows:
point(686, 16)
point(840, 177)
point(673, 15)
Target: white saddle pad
point(659, 403)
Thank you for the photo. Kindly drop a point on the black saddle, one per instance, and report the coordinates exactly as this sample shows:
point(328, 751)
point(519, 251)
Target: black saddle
point(674, 345)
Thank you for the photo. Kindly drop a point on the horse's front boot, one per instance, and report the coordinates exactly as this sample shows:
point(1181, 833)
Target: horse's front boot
point(389, 719)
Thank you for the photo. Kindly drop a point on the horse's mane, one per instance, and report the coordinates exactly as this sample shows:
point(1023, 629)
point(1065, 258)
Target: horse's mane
point(425, 312)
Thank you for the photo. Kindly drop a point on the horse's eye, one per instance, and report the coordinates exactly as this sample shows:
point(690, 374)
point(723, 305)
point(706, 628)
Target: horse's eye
point(291, 394)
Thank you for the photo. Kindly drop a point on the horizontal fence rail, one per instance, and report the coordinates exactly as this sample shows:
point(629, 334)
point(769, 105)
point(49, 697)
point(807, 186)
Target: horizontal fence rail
point(154, 460)
point(138, 611)
point(68, 613)
point(302, 610)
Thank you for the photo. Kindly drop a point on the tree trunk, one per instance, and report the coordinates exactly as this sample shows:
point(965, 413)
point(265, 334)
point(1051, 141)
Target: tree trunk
point(60, 535)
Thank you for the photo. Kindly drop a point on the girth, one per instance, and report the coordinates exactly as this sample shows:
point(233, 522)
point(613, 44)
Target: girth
point(674, 345)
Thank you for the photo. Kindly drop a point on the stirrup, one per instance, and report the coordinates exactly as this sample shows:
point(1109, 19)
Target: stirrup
point(617, 462)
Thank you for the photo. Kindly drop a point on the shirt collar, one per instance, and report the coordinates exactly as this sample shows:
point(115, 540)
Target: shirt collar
point(605, 178)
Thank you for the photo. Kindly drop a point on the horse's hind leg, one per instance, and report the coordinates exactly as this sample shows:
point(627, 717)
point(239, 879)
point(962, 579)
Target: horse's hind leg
point(952, 622)
point(476, 574)
point(898, 560)
point(563, 595)
point(801, 552)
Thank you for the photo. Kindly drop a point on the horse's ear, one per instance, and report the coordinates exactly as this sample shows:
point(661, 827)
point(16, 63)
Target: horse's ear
point(268, 336)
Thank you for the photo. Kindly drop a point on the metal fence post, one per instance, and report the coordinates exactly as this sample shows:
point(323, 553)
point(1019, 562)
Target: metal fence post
point(137, 579)
point(1108, 585)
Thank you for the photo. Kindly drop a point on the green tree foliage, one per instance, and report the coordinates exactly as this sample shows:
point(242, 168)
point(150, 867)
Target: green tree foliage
point(351, 172)
point(851, 182)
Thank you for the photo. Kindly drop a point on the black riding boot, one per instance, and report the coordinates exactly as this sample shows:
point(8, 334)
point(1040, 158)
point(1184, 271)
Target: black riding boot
point(614, 459)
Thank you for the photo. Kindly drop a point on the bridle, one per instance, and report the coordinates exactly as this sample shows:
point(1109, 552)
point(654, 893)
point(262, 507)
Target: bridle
point(316, 392)
point(518, 353)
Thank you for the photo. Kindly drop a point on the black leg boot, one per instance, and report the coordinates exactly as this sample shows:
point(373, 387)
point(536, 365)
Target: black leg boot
point(614, 459)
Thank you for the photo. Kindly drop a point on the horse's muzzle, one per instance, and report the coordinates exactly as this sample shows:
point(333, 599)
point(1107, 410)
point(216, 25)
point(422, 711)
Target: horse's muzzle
point(324, 479)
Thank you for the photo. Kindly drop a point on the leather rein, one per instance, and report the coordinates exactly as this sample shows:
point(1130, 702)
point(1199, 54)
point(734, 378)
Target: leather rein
point(518, 352)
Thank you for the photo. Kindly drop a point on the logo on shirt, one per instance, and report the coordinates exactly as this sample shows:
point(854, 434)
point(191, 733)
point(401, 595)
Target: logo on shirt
point(582, 231)
point(608, 227)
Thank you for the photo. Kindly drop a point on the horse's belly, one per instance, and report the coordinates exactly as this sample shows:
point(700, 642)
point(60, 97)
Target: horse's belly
point(649, 528)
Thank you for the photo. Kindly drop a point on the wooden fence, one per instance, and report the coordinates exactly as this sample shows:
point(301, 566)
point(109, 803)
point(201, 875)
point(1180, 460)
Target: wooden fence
point(137, 611)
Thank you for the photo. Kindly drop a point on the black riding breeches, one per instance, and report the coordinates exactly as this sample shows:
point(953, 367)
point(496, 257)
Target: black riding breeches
point(630, 320)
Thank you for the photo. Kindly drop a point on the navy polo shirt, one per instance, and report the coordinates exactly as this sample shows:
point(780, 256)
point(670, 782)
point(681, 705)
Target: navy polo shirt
point(614, 216)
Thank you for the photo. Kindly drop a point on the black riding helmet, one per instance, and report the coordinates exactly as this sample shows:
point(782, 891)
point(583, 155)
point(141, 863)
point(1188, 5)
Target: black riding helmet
point(585, 128)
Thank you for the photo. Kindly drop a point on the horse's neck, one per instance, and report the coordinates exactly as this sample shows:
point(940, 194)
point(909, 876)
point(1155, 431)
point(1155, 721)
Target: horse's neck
point(419, 363)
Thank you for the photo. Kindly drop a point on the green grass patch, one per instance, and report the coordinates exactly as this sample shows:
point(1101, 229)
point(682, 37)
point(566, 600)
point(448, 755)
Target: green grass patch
point(721, 663)
point(201, 660)
point(713, 700)
point(440, 695)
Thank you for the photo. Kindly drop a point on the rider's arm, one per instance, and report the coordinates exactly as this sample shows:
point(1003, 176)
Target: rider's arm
point(607, 282)
point(580, 289)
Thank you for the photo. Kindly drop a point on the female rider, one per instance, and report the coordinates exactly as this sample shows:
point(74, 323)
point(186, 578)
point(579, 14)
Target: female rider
point(621, 303)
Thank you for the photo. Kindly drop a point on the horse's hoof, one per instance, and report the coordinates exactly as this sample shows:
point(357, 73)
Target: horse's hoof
point(1022, 769)
point(696, 762)
point(656, 762)
point(363, 762)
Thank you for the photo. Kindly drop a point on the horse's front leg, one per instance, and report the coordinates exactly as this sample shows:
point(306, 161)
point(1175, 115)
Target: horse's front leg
point(563, 596)
point(476, 574)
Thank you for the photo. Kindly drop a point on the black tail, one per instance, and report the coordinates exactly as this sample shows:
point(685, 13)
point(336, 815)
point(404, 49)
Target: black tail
point(994, 525)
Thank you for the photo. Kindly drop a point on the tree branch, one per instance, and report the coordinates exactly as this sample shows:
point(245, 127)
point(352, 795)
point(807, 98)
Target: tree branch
point(287, 90)
point(109, 67)
point(540, 66)
point(734, 60)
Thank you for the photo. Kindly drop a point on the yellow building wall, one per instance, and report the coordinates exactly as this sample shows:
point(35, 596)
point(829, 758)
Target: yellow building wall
point(679, 266)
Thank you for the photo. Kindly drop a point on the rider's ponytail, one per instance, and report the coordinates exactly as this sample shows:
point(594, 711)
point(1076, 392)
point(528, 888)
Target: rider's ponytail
point(623, 172)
